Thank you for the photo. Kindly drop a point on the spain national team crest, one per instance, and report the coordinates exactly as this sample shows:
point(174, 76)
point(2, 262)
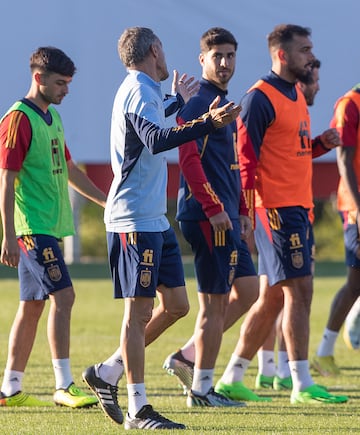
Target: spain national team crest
point(145, 278)
point(54, 273)
point(297, 260)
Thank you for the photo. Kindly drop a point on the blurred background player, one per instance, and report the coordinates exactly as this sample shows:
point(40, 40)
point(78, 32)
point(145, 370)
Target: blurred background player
point(351, 332)
point(346, 120)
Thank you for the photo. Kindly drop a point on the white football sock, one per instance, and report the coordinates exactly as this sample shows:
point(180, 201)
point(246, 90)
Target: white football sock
point(266, 362)
point(62, 371)
point(283, 369)
point(235, 369)
point(112, 369)
point(202, 381)
point(136, 398)
point(12, 382)
point(327, 343)
point(300, 375)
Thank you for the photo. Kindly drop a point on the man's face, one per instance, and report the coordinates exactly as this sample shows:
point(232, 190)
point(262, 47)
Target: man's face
point(310, 90)
point(53, 87)
point(161, 67)
point(300, 57)
point(219, 64)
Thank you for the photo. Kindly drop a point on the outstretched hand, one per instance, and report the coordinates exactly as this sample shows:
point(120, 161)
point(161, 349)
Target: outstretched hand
point(222, 116)
point(185, 86)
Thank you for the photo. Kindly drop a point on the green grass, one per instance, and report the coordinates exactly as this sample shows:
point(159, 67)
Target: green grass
point(96, 324)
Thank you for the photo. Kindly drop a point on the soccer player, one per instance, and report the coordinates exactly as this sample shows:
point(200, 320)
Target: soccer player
point(143, 251)
point(214, 219)
point(270, 374)
point(351, 332)
point(35, 170)
point(312, 87)
point(211, 207)
point(276, 168)
point(347, 121)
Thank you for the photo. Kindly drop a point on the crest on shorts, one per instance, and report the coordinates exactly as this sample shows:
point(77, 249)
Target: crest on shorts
point(145, 278)
point(297, 260)
point(54, 273)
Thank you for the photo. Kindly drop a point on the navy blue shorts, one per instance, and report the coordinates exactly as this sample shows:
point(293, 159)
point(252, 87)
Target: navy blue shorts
point(261, 269)
point(351, 239)
point(284, 241)
point(219, 257)
point(140, 262)
point(42, 269)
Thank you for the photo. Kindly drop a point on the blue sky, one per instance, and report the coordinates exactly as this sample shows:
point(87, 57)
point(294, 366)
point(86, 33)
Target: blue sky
point(88, 32)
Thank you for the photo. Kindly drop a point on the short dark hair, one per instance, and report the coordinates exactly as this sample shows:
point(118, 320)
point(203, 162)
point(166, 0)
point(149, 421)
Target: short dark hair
point(283, 34)
point(52, 60)
point(134, 45)
point(216, 36)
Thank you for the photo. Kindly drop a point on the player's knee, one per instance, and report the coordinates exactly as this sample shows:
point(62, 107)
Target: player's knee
point(63, 299)
point(179, 310)
point(184, 309)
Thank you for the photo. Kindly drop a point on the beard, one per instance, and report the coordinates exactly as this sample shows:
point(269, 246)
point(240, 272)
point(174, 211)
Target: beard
point(51, 98)
point(309, 98)
point(224, 80)
point(302, 75)
point(305, 77)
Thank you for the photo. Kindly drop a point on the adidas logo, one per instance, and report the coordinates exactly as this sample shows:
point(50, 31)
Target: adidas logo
point(205, 378)
point(14, 379)
point(136, 394)
point(239, 365)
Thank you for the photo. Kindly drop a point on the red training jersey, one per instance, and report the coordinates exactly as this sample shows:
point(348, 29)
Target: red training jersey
point(346, 120)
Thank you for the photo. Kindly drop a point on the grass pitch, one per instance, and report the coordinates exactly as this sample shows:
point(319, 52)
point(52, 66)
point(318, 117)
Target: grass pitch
point(96, 322)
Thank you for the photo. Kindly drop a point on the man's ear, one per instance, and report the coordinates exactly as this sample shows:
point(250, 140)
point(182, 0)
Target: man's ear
point(39, 78)
point(153, 50)
point(201, 59)
point(282, 55)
